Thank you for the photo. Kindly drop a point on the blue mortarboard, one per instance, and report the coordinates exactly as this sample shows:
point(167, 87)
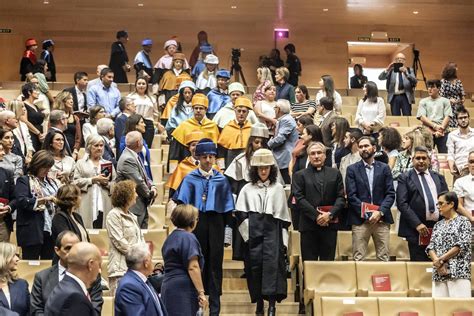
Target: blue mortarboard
point(147, 41)
point(206, 147)
point(223, 73)
point(206, 49)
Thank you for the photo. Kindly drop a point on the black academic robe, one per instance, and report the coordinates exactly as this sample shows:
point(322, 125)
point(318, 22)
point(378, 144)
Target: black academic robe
point(118, 58)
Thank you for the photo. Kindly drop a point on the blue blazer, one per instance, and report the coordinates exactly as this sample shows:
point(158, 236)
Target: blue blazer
point(411, 203)
point(19, 297)
point(284, 141)
point(109, 153)
point(358, 191)
point(119, 129)
point(133, 297)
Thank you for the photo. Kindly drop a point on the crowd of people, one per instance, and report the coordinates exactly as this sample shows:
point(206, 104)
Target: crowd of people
point(231, 159)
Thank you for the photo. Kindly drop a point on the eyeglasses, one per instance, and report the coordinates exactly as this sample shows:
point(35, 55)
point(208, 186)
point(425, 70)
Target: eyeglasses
point(471, 161)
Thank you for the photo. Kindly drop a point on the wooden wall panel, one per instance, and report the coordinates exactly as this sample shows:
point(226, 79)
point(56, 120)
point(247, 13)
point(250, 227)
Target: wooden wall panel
point(84, 33)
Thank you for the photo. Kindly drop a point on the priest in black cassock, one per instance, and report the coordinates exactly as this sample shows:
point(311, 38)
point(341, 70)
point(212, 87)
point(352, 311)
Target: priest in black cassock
point(262, 212)
point(209, 191)
point(119, 58)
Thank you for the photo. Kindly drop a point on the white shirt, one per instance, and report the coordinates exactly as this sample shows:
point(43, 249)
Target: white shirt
point(203, 83)
point(146, 106)
point(82, 284)
point(459, 146)
point(80, 99)
point(464, 187)
point(88, 129)
point(24, 137)
point(370, 112)
point(61, 271)
point(337, 99)
point(434, 194)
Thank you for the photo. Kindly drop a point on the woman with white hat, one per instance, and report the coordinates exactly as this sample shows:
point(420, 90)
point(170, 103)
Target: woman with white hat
point(262, 212)
point(166, 61)
point(207, 78)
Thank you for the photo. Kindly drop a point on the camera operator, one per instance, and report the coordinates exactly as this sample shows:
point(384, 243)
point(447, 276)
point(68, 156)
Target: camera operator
point(401, 83)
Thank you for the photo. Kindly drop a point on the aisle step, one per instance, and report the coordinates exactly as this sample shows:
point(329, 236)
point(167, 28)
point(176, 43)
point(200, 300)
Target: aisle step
point(239, 308)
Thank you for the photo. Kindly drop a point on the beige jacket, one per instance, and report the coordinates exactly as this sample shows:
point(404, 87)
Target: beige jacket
point(123, 231)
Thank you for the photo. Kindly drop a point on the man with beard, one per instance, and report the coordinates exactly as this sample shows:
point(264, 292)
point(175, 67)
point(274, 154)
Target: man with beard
point(350, 142)
point(370, 193)
point(417, 193)
point(460, 143)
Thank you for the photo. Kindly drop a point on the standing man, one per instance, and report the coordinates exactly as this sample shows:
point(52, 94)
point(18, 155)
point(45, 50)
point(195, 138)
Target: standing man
point(319, 201)
point(9, 122)
point(106, 129)
point(28, 59)
point(210, 192)
point(135, 295)
point(401, 83)
point(79, 91)
point(105, 93)
point(234, 137)
point(131, 167)
point(417, 193)
point(119, 58)
point(369, 182)
point(142, 60)
point(70, 297)
point(46, 280)
point(434, 112)
point(351, 140)
point(286, 135)
point(293, 64)
point(460, 143)
point(325, 109)
point(47, 55)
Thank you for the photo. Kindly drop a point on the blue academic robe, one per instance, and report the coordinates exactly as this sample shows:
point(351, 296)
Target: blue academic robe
point(216, 190)
point(217, 100)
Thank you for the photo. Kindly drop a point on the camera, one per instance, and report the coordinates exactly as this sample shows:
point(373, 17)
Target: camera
point(236, 53)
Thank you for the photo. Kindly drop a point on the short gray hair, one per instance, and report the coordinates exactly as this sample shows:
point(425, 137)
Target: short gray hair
point(91, 140)
point(56, 116)
point(136, 254)
point(104, 125)
point(284, 106)
point(5, 115)
point(313, 144)
point(132, 137)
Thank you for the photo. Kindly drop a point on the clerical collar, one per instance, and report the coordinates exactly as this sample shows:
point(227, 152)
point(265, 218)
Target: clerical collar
point(318, 169)
point(205, 174)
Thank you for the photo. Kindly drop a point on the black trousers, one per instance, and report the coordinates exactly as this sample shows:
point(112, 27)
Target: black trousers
point(37, 252)
point(417, 252)
point(440, 143)
point(149, 132)
point(318, 244)
point(285, 175)
point(399, 105)
point(210, 234)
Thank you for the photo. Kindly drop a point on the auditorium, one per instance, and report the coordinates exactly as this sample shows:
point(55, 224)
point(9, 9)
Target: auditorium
point(236, 157)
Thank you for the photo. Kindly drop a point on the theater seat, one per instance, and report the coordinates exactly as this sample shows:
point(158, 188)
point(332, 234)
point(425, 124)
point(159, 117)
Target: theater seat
point(338, 306)
point(157, 171)
point(328, 278)
point(349, 109)
point(419, 278)
point(348, 117)
point(396, 121)
point(396, 270)
point(398, 247)
point(160, 187)
point(296, 266)
point(108, 307)
point(413, 121)
point(104, 271)
point(156, 156)
point(344, 246)
point(156, 142)
point(393, 306)
point(157, 238)
point(100, 238)
point(28, 268)
point(447, 306)
point(156, 217)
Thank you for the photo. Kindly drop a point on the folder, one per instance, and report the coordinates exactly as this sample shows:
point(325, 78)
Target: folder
point(366, 210)
point(325, 209)
point(106, 169)
point(424, 241)
point(381, 282)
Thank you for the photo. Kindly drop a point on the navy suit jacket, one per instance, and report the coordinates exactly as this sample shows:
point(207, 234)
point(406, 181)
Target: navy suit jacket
point(133, 297)
point(19, 298)
point(68, 299)
point(109, 153)
point(358, 191)
point(73, 92)
point(119, 130)
point(411, 202)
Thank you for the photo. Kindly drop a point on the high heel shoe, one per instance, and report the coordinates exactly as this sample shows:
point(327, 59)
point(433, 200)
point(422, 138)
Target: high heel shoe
point(271, 311)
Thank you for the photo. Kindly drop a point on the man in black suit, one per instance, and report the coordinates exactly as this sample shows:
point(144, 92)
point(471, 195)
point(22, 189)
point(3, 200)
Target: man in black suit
point(119, 58)
point(106, 129)
point(45, 281)
point(70, 297)
point(417, 194)
point(79, 91)
point(313, 187)
point(369, 181)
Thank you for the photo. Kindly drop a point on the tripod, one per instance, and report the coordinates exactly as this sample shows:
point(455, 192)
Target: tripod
point(238, 71)
point(417, 65)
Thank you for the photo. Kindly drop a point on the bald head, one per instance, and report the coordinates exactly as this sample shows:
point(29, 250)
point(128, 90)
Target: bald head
point(134, 141)
point(100, 67)
point(84, 262)
point(8, 120)
point(400, 58)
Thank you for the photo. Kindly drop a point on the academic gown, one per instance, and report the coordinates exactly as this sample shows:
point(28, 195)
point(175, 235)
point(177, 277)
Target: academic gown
point(178, 149)
point(217, 100)
point(264, 219)
point(49, 58)
point(118, 58)
point(176, 117)
point(28, 60)
point(233, 140)
point(213, 198)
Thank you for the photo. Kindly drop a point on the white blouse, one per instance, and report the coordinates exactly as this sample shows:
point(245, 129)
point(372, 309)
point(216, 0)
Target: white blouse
point(370, 112)
point(146, 106)
point(24, 137)
point(337, 99)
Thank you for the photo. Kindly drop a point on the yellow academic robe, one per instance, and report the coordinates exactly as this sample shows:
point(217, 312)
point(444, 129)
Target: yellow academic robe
point(184, 167)
point(233, 136)
point(169, 107)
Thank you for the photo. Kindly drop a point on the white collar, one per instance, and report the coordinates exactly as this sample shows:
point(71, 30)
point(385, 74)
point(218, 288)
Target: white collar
point(205, 174)
point(140, 275)
point(60, 268)
point(81, 283)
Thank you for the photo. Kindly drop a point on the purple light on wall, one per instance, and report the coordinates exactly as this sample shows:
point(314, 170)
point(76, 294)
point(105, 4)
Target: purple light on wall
point(281, 33)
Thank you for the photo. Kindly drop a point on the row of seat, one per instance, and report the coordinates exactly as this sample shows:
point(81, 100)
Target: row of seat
point(354, 279)
point(371, 306)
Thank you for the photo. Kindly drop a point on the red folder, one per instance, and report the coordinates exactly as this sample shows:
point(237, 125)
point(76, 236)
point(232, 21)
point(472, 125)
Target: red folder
point(366, 209)
point(466, 313)
point(353, 314)
point(106, 169)
point(408, 314)
point(381, 282)
point(4, 202)
point(424, 241)
point(325, 209)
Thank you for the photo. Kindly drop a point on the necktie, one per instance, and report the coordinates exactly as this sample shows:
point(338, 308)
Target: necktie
point(85, 101)
point(424, 183)
point(400, 81)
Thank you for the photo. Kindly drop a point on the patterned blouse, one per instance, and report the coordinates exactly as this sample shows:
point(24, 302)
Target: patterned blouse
point(259, 94)
point(452, 90)
point(404, 163)
point(446, 235)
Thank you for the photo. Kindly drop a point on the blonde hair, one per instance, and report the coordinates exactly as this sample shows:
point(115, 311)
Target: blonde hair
point(284, 72)
point(184, 216)
point(265, 74)
point(416, 138)
point(7, 254)
point(92, 140)
point(60, 100)
point(15, 106)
